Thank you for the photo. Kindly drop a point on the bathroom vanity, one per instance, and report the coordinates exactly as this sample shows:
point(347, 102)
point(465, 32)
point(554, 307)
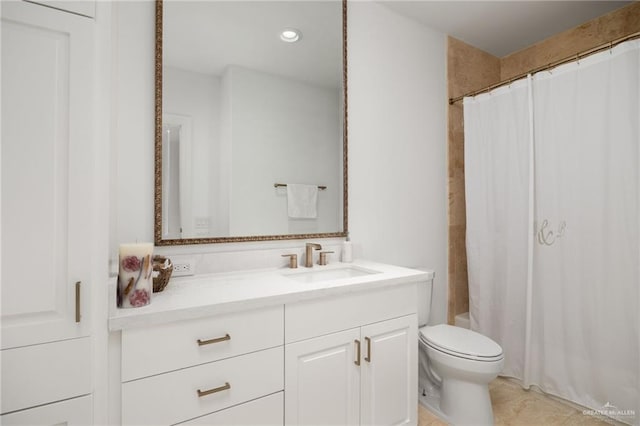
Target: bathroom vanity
point(326, 345)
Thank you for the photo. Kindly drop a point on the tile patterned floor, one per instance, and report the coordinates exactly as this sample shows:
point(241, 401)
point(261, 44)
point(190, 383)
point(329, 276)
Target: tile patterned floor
point(514, 406)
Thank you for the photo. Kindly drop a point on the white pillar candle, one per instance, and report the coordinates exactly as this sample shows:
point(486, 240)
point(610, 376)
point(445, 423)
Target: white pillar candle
point(135, 281)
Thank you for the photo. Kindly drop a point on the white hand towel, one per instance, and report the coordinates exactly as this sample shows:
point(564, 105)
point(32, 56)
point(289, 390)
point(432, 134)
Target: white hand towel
point(302, 201)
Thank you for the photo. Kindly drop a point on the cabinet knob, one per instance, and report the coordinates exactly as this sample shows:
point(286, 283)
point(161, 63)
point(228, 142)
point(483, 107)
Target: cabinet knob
point(357, 361)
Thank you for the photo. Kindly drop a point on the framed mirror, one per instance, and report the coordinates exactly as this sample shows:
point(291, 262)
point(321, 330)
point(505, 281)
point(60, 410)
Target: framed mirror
point(251, 121)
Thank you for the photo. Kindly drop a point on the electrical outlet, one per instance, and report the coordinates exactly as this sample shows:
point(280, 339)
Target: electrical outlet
point(184, 267)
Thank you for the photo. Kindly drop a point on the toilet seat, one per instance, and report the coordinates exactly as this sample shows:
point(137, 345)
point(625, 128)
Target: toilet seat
point(461, 343)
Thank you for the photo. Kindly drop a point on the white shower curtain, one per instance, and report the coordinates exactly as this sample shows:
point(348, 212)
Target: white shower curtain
point(576, 298)
point(497, 156)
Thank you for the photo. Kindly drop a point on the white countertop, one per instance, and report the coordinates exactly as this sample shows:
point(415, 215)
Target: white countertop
point(213, 294)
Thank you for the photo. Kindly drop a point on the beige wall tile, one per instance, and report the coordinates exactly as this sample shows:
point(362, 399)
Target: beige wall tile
point(457, 205)
point(469, 68)
point(611, 26)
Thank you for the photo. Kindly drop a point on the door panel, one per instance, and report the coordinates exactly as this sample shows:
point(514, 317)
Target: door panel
point(322, 381)
point(390, 372)
point(46, 172)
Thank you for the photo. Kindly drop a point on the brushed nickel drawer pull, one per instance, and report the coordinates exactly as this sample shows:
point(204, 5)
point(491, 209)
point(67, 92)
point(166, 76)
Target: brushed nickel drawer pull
point(357, 361)
point(368, 357)
point(78, 301)
point(225, 387)
point(216, 340)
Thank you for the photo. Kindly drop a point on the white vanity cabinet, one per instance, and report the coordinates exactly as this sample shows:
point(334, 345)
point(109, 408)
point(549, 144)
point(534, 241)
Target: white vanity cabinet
point(47, 216)
point(269, 348)
point(211, 367)
point(366, 373)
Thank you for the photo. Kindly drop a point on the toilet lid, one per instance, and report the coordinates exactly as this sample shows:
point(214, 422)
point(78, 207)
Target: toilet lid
point(460, 341)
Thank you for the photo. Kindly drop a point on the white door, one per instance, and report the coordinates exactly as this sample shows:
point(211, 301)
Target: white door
point(390, 372)
point(46, 173)
point(322, 380)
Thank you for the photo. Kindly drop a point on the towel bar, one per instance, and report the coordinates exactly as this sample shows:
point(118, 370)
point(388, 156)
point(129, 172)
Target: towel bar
point(276, 185)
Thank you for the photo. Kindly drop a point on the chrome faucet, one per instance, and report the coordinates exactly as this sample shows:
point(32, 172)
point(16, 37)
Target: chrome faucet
point(308, 258)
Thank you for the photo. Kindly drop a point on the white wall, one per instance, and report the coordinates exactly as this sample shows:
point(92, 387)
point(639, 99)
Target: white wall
point(397, 143)
point(397, 137)
point(133, 115)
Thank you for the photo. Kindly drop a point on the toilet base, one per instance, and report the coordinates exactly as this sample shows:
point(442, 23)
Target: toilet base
point(474, 410)
point(432, 403)
point(469, 403)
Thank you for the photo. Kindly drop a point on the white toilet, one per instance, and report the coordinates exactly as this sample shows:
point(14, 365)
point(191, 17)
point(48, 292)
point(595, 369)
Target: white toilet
point(456, 366)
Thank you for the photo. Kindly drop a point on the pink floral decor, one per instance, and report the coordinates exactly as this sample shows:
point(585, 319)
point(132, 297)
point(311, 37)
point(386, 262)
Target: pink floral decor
point(139, 298)
point(135, 282)
point(131, 264)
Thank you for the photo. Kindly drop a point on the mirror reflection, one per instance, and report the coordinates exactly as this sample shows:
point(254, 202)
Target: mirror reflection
point(252, 121)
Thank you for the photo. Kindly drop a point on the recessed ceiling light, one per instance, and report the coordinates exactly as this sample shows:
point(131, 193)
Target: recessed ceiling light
point(290, 35)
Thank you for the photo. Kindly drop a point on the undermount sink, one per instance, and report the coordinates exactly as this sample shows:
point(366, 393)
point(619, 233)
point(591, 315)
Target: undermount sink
point(316, 274)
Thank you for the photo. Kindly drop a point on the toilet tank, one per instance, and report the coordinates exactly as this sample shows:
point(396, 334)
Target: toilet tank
point(424, 298)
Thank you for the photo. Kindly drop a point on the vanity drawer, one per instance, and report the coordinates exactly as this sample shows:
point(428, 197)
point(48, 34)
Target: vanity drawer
point(70, 412)
point(173, 397)
point(317, 317)
point(167, 347)
point(267, 411)
point(39, 374)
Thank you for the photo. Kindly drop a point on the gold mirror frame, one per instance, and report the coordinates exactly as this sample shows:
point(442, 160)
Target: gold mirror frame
point(158, 154)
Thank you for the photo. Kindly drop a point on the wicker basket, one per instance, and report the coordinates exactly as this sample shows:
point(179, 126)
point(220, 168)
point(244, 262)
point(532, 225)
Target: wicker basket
point(164, 268)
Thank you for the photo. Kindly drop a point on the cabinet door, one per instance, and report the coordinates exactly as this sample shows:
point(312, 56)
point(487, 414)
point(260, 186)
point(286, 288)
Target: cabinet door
point(390, 372)
point(72, 412)
point(322, 381)
point(46, 173)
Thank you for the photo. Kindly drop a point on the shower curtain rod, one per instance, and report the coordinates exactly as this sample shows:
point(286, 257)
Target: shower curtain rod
point(576, 57)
